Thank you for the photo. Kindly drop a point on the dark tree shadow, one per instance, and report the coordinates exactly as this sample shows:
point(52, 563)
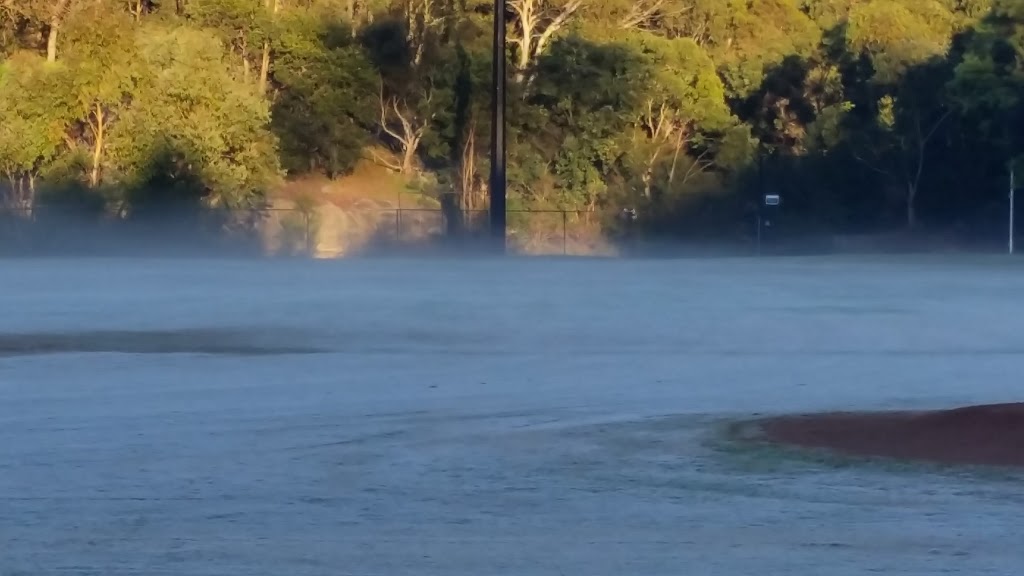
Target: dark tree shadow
point(172, 210)
point(165, 213)
point(320, 115)
point(971, 125)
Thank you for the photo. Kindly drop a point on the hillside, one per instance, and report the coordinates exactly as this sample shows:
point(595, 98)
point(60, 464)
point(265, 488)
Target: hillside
point(865, 115)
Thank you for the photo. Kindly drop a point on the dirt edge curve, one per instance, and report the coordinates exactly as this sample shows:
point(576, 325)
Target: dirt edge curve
point(987, 435)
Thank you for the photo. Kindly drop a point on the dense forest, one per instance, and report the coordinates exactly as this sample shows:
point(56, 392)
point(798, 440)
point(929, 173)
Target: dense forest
point(865, 115)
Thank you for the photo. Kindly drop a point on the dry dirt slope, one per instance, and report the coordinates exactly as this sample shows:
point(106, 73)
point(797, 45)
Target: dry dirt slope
point(374, 209)
point(336, 218)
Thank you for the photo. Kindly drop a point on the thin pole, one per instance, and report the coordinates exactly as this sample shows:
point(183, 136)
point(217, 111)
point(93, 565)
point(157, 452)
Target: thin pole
point(565, 233)
point(309, 233)
point(1012, 186)
point(759, 233)
point(498, 182)
point(761, 193)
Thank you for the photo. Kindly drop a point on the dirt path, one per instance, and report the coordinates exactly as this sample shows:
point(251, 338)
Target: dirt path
point(983, 435)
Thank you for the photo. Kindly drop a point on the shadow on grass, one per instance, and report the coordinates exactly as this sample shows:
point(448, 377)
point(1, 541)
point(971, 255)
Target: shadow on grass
point(186, 341)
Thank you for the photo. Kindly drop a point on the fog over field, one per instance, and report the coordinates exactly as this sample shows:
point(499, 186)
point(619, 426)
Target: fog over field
point(468, 417)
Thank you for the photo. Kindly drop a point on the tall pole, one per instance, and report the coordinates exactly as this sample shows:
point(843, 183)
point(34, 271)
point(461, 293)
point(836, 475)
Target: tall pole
point(498, 180)
point(760, 193)
point(1012, 186)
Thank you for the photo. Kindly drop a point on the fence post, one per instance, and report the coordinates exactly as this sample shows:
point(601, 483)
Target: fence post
point(309, 234)
point(565, 233)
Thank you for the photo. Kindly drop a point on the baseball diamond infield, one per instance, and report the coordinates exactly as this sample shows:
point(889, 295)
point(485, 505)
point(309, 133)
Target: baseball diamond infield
point(990, 435)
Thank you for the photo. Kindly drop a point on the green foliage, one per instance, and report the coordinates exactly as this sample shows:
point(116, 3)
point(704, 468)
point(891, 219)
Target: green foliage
point(241, 24)
point(991, 74)
point(862, 112)
point(896, 37)
point(760, 36)
point(988, 83)
point(31, 129)
point(325, 91)
point(189, 105)
point(586, 95)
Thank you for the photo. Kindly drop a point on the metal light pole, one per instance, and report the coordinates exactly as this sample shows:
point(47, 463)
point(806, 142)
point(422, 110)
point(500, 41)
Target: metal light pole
point(1012, 186)
point(498, 180)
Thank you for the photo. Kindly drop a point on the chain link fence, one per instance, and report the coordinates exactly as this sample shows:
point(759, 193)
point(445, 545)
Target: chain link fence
point(323, 232)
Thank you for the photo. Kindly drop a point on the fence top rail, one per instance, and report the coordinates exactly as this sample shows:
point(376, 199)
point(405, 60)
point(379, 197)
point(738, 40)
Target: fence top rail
point(539, 211)
point(269, 207)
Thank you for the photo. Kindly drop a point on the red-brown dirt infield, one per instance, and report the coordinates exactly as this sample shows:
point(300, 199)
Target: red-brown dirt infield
point(991, 435)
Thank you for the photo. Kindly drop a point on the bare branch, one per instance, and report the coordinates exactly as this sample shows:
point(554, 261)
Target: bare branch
point(557, 24)
point(404, 125)
point(520, 7)
point(383, 162)
point(535, 24)
point(869, 165)
point(384, 119)
point(640, 14)
point(700, 165)
point(938, 123)
point(923, 140)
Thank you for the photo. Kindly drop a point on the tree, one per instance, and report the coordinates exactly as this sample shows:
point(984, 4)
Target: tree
point(534, 25)
point(685, 97)
point(101, 75)
point(272, 6)
point(33, 128)
point(325, 94)
point(422, 21)
point(896, 38)
point(413, 97)
point(905, 48)
point(59, 12)
point(990, 78)
point(189, 102)
point(865, 113)
point(585, 97)
point(470, 126)
point(244, 25)
point(750, 40)
point(44, 19)
point(907, 124)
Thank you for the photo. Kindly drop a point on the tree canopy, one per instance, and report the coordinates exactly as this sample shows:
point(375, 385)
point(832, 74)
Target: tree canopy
point(864, 114)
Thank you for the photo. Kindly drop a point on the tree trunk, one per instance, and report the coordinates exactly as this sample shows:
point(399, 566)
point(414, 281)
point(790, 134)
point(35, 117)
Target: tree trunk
point(265, 68)
point(467, 166)
point(243, 49)
point(409, 154)
point(9, 197)
point(17, 189)
point(56, 20)
point(271, 5)
point(523, 62)
point(648, 176)
point(51, 44)
point(97, 152)
point(417, 58)
point(534, 26)
point(675, 156)
point(524, 32)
